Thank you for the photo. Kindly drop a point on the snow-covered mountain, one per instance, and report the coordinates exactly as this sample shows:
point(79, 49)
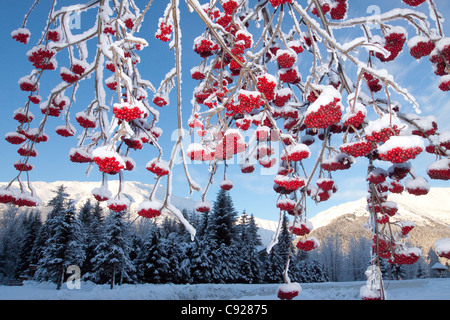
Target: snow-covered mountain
point(80, 192)
point(422, 210)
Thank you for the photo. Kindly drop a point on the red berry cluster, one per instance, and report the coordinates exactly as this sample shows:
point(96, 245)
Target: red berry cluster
point(68, 76)
point(400, 155)
point(382, 247)
point(290, 183)
point(414, 3)
point(108, 165)
point(325, 8)
point(340, 162)
point(286, 59)
point(286, 204)
point(357, 149)
point(422, 49)
point(54, 35)
point(248, 101)
point(21, 36)
point(338, 11)
point(164, 32)
point(383, 135)
point(286, 295)
point(65, 131)
point(281, 99)
point(22, 166)
point(266, 84)
point(127, 114)
point(149, 213)
point(300, 230)
point(158, 167)
point(85, 121)
point(405, 258)
point(205, 47)
point(229, 6)
point(355, 120)
point(41, 58)
point(276, 3)
point(226, 185)
point(27, 151)
point(372, 82)
point(406, 229)
point(80, 157)
point(306, 245)
point(129, 23)
point(290, 75)
point(326, 115)
point(445, 84)
point(160, 100)
point(117, 207)
point(394, 44)
point(396, 187)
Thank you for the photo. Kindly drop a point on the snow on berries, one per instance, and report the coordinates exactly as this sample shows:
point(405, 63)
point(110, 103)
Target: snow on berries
point(399, 149)
point(420, 46)
point(414, 3)
point(129, 112)
point(325, 110)
point(341, 161)
point(290, 183)
point(444, 83)
point(158, 167)
point(226, 184)
point(266, 84)
point(85, 121)
point(80, 155)
point(439, 170)
point(108, 160)
point(288, 291)
point(21, 35)
point(286, 204)
point(356, 149)
point(442, 247)
point(381, 129)
point(203, 206)
point(417, 186)
point(118, 203)
point(42, 58)
point(308, 244)
point(395, 38)
point(301, 227)
point(286, 58)
point(164, 31)
point(296, 152)
point(149, 209)
point(65, 130)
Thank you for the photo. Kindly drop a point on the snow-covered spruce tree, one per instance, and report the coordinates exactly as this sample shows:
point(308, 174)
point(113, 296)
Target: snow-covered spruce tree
point(92, 228)
point(278, 68)
point(31, 226)
point(112, 262)
point(63, 246)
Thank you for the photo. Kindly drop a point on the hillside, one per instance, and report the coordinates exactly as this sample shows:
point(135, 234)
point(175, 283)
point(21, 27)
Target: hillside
point(430, 213)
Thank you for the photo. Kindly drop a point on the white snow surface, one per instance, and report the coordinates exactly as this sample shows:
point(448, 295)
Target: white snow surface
point(419, 289)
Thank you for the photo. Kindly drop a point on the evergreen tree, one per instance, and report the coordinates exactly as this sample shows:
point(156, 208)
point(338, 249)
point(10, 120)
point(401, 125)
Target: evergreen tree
point(221, 235)
point(92, 221)
point(250, 263)
point(31, 226)
point(275, 261)
point(112, 261)
point(9, 237)
point(63, 246)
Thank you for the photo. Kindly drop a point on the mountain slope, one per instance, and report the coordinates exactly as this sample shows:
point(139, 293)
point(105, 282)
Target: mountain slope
point(430, 213)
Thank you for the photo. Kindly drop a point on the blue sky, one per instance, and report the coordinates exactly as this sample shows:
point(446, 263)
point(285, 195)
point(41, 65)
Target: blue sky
point(252, 193)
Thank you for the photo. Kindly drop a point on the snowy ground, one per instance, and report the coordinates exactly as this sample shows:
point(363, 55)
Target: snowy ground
point(424, 289)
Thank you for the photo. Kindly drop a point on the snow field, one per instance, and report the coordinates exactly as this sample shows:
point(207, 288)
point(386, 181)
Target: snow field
point(419, 289)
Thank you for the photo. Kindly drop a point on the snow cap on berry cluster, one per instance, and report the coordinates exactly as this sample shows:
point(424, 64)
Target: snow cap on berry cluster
point(442, 246)
point(327, 95)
